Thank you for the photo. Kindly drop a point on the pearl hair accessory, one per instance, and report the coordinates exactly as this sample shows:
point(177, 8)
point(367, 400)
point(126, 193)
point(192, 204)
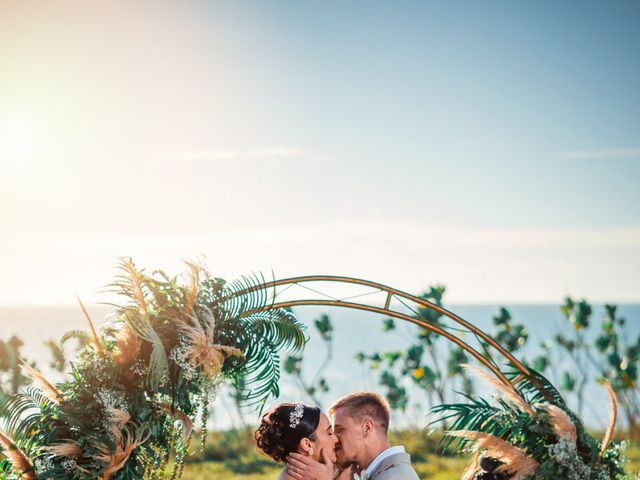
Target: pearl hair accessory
point(296, 415)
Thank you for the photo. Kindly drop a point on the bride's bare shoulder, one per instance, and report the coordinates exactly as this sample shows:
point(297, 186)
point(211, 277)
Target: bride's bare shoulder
point(283, 475)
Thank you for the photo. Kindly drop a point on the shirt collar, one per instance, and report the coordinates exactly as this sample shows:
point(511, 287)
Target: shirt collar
point(376, 461)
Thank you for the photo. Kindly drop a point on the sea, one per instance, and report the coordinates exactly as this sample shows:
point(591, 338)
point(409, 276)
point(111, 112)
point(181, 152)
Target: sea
point(354, 331)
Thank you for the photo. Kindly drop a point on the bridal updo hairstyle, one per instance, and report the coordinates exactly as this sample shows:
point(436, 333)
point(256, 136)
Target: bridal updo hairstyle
point(277, 438)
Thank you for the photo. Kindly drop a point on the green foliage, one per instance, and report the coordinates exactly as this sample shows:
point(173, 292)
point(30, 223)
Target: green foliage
point(511, 336)
point(294, 363)
point(185, 339)
point(58, 359)
point(618, 359)
point(261, 335)
point(11, 378)
point(578, 313)
point(396, 394)
point(248, 464)
point(577, 347)
point(535, 435)
point(421, 364)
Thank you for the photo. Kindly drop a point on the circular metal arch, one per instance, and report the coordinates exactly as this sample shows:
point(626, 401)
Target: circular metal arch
point(391, 295)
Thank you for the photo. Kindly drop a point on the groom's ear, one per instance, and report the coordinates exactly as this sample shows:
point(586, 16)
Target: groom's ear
point(367, 426)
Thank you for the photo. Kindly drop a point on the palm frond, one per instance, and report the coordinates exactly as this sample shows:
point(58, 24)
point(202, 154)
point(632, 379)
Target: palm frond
point(261, 337)
point(245, 296)
point(506, 391)
point(477, 415)
point(260, 333)
point(279, 326)
point(21, 409)
point(535, 388)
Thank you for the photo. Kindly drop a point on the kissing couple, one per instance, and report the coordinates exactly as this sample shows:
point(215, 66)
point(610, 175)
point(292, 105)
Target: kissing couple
point(355, 447)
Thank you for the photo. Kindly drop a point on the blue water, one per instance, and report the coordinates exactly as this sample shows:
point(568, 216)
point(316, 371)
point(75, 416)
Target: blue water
point(354, 331)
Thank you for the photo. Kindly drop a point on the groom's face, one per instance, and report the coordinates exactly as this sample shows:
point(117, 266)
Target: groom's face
point(350, 439)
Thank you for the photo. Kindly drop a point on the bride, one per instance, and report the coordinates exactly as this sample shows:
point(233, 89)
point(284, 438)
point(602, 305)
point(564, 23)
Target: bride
point(296, 427)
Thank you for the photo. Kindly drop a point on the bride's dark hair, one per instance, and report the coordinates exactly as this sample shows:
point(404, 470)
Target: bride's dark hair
point(277, 438)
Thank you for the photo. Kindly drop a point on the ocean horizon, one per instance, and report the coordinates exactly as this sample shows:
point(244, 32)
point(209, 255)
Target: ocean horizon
point(354, 331)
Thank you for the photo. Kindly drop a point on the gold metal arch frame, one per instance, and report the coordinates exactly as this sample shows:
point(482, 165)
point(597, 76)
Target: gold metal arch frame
point(392, 298)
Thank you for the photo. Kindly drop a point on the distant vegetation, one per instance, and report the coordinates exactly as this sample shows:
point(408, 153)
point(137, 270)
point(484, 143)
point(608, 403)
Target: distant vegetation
point(588, 349)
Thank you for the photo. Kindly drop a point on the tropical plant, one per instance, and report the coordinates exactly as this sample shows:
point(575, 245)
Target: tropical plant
point(422, 364)
point(512, 336)
point(10, 372)
point(618, 359)
point(136, 388)
point(529, 433)
point(576, 345)
point(58, 360)
point(293, 364)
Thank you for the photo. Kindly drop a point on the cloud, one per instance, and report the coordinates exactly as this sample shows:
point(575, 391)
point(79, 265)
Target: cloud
point(602, 154)
point(276, 154)
point(480, 265)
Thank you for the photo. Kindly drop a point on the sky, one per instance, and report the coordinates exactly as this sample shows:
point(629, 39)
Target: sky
point(493, 147)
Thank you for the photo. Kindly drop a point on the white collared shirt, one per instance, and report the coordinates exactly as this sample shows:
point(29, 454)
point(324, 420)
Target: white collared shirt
point(376, 461)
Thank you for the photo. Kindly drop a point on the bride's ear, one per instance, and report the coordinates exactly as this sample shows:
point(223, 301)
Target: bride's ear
point(306, 447)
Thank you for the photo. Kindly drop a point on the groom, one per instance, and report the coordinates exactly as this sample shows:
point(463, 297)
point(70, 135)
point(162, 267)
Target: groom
point(361, 422)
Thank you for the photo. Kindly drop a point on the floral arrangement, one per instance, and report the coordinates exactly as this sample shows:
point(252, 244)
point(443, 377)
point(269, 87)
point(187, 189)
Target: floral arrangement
point(137, 387)
point(529, 433)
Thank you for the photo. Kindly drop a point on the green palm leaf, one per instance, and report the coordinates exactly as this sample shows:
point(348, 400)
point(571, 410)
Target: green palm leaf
point(478, 415)
point(261, 334)
point(22, 411)
point(245, 295)
point(536, 388)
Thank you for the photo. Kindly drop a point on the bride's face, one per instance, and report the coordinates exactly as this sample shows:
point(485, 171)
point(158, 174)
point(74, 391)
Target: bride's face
point(325, 440)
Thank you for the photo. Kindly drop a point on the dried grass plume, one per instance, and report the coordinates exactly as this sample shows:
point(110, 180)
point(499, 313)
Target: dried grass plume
point(42, 383)
point(516, 462)
point(201, 351)
point(126, 439)
point(508, 392)
point(127, 346)
point(20, 462)
point(94, 334)
point(561, 423)
point(613, 402)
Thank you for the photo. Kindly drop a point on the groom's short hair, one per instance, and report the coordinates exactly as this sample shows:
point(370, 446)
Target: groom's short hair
point(361, 404)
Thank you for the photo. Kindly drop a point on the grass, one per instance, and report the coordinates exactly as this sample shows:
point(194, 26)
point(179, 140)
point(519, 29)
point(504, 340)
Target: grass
point(232, 455)
point(435, 467)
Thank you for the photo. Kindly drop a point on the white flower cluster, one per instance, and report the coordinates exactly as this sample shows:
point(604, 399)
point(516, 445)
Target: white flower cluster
point(565, 453)
point(139, 368)
point(41, 465)
point(112, 399)
point(179, 356)
point(69, 464)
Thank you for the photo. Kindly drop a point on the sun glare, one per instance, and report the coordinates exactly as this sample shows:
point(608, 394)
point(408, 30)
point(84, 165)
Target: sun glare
point(20, 143)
